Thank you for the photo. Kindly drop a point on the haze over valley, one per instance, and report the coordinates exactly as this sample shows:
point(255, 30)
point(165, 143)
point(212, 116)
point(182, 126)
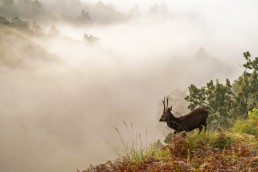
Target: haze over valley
point(72, 70)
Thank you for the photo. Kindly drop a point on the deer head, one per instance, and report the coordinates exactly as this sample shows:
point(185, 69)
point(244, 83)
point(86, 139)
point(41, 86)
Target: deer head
point(166, 111)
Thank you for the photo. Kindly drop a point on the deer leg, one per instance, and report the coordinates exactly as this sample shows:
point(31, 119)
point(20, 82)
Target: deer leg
point(200, 129)
point(205, 125)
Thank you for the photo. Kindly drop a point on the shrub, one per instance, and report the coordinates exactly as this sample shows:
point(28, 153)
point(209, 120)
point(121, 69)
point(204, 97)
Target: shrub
point(249, 125)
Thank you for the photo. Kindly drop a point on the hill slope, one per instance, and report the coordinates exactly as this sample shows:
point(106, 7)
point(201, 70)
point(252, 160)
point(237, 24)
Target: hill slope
point(17, 48)
point(234, 149)
point(213, 151)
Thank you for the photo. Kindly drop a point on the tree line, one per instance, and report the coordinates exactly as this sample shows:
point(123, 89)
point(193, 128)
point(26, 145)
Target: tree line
point(229, 101)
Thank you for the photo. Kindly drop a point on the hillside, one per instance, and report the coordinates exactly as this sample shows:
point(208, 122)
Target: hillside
point(210, 64)
point(235, 149)
point(225, 152)
point(17, 46)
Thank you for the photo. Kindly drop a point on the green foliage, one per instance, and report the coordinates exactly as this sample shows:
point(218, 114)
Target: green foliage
point(195, 140)
point(140, 154)
point(248, 126)
point(225, 101)
point(246, 90)
point(169, 138)
point(216, 98)
point(223, 140)
point(252, 65)
point(212, 139)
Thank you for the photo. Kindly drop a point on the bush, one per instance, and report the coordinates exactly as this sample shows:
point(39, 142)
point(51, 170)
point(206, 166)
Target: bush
point(249, 125)
point(211, 139)
point(196, 141)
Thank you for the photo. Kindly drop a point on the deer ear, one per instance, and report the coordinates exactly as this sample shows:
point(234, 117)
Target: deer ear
point(170, 109)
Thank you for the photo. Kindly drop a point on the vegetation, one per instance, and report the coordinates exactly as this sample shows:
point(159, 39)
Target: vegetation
point(15, 23)
point(135, 150)
point(23, 8)
point(249, 126)
point(229, 101)
point(213, 151)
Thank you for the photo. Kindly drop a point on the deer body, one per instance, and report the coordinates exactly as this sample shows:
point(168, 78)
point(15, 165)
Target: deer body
point(195, 119)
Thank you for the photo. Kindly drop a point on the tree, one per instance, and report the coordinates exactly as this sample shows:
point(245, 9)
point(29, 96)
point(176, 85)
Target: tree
point(226, 102)
point(216, 98)
point(246, 86)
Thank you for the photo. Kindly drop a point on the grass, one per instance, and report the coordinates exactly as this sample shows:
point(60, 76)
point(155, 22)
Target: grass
point(235, 149)
point(138, 150)
point(208, 139)
point(213, 151)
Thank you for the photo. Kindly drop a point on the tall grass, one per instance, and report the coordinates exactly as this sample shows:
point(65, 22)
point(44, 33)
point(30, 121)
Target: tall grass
point(137, 150)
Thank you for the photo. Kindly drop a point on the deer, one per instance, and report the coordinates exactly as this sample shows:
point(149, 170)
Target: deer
point(195, 119)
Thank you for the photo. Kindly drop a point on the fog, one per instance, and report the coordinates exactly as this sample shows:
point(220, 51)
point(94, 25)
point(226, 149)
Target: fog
point(63, 92)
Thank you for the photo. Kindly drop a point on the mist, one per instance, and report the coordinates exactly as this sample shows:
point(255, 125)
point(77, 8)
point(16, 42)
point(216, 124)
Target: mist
point(63, 92)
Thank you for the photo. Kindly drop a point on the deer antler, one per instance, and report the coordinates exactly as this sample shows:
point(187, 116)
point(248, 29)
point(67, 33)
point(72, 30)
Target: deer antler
point(164, 104)
point(167, 102)
point(164, 109)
